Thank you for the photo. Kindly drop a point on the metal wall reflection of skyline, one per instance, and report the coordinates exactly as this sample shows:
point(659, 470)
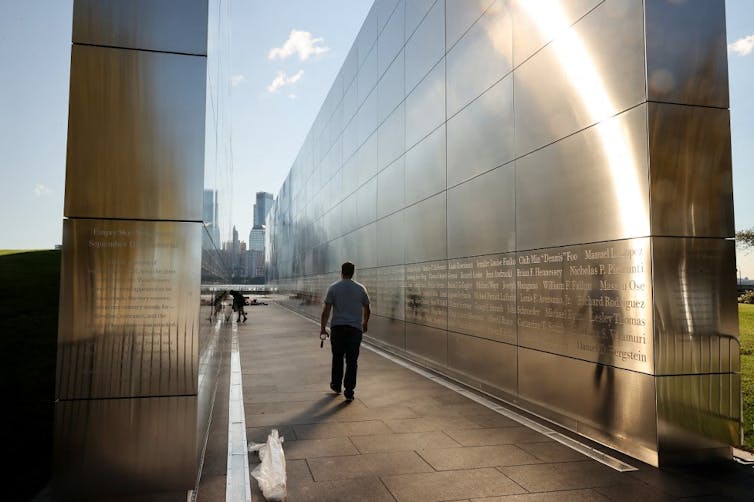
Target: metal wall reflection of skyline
point(538, 197)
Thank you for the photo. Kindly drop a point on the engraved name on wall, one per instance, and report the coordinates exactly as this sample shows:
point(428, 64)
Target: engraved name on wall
point(590, 301)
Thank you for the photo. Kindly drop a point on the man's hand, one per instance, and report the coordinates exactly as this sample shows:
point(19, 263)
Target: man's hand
point(364, 327)
point(323, 331)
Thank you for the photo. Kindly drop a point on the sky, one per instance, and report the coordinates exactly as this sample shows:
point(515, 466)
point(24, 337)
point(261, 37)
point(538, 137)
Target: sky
point(285, 56)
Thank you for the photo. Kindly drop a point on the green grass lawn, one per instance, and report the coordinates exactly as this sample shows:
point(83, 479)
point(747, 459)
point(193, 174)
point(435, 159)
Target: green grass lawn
point(746, 327)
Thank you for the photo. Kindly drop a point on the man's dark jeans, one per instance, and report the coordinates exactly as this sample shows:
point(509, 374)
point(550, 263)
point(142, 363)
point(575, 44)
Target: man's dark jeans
point(345, 341)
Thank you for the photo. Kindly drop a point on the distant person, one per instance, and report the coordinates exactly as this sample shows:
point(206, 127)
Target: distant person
point(217, 304)
point(349, 303)
point(238, 305)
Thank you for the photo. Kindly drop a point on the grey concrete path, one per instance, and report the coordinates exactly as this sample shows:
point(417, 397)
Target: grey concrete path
point(407, 438)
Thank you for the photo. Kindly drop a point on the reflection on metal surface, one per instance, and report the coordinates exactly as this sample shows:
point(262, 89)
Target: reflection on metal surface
point(589, 90)
point(695, 309)
point(136, 135)
point(577, 177)
point(687, 53)
point(490, 363)
point(156, 25)
point(129, 310)
point(546, 225)
point(100, 446)
point(611, 404)
point(591, 302)
point(695, 141)
point(698, 412)
point(137, 368)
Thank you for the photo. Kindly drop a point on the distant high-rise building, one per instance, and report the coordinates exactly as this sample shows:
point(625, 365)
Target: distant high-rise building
point(256, 251)
point(211, 237)
point(262, 208)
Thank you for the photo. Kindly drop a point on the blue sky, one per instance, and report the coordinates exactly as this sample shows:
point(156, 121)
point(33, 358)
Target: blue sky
point(286, 54)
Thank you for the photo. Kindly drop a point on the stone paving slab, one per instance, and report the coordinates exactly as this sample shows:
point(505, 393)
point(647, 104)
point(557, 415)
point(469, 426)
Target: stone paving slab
point(408, 438)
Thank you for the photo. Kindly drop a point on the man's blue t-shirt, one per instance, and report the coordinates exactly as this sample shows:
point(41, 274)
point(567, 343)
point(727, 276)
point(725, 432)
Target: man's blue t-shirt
point(347, 298)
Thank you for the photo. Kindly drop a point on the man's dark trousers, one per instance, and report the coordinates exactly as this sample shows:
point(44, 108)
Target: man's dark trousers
point(345, 341)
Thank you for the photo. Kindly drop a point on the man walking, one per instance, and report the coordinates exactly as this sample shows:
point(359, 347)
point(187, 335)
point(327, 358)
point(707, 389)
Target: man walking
point(349, 303)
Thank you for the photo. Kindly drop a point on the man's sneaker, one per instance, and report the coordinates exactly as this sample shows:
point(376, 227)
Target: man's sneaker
point(348, 396)
point(334, 388)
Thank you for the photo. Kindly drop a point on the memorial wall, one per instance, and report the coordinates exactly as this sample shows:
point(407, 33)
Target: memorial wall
point(138, 363)
point(538, 197)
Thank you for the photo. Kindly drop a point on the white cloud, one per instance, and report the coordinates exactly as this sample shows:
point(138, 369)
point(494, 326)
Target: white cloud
point(292, 96)
point(301, 43)
point(40, 190)
point(236, 80)
point(282, 79)
point(743, 46)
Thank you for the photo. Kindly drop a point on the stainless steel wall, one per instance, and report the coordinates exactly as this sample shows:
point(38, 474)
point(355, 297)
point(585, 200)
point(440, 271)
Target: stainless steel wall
point(135, 366)
point(538, 197)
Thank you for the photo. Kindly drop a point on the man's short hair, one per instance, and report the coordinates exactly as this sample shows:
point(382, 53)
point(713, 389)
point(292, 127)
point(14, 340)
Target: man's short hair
point(347, 269)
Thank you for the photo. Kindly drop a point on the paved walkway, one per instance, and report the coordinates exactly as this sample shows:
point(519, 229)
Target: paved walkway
point(408, 438)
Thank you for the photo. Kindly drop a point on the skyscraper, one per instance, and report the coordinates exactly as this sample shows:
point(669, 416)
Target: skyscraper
point(262, 208)
point(211, 237)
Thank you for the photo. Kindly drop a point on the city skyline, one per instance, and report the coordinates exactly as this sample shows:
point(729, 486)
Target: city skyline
point(285, 57)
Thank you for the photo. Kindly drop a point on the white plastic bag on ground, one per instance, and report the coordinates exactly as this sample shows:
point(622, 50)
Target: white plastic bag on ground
point(270, 474)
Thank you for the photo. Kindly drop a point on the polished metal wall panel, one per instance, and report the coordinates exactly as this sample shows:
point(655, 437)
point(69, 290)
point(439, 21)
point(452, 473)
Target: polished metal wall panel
point(385, 9)
point(350, 66)
point(390, 300)
point(415, 12)
point(591, 302)
point(480, 136)
point(575, 82)
point(390, 90)
point(425, 106)
point(391, 141)
point(460, 15)
point(391, 240)
point(389, 331)
point(687, 60)
point(101, 451)
point(482, 296)
point(136, 135)
point(366, 202)
point(481, 57)
point(155, 25)
point(594, 182)
point(698, 416)
point(425, 167)
point(129, 309)
point(427, 293)
point(426, 46)
point(367, 160)
point(482, 214)
point(492, 363)
point(537, 23)
point(367, 36)
point(349, 177)
point(391, 39)
point(691, 190)
point(615, 407)
point(426, 230)
point(349, 212)
point(366, 246)
point(350, 105)
point(367, 118)
point(367, 77)
point(391, 188)
point(695, 316)
point(537, 238)
point(427, 343)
